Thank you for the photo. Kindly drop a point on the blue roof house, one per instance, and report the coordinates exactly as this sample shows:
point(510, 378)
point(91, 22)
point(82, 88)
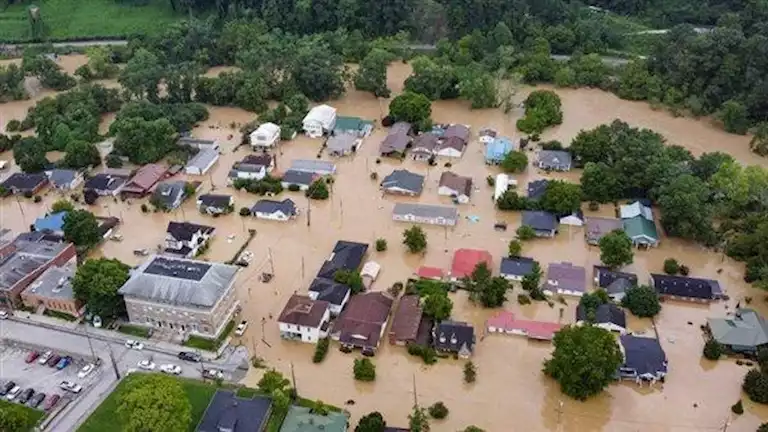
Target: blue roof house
point(497, 149)
point(53, 223)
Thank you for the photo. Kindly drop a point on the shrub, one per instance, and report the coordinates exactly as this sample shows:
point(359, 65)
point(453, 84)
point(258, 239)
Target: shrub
point(448, 165)
point(374, 175)
point(37, 199)
point(364, 370)
point(737, 408)
point(144, 208)
point(321, 350)
point(712, 349)
point(114, 161)
point(438, 410)
point(294, 187)
point(470, 373)
point(756, 386)
point(491, 181)
point(13, 126)
point(671, 267)
point(642, 301)
point(427, 353)
point(381, 245)
point(594, 206)
point(523, 299)
point(245, 211)
point(684, 270)
point(524, 232)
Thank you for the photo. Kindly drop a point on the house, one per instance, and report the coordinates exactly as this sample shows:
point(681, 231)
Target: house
point(641, 231)
point(275, 210)
point(144, 180)
point(497, 150)
point(25, 183)
point(302, 179)
point(181, 296)
point(501, 185)
point(456, 186)
point(319, 121)
point(265, 137)
point(607, 316)
point(346, 255)
point(369, 273)
point(644, 359)
point(406, 320)
point(516, 268)
point(354, 126)
point(424, 146)
point(198, 143)
point(304, 319)
point(169, 195)
point(686, 288)
point(107, 225)
point(246, 171)
point(486, 135)
point(433, 273)
point(202, 162)
point(543, 223)
point(314, 166)
point(227, 412)
point(215, 204)
point(52, 223)
point(105, 184)
point(264, 159)
point(744, 332)
point(362, 323)
point(24, 259)
point(343, 144)
point(597, 227)
point(506, 323)
point(636, 209)
point(397, 141)
point(465, 260)
point(453, 141)
point(554, 160)
point(185, 239)
point(537, 189)
point(65, 179)
point(330, 291)
point(615, 283)
point(455, 337)
point(425, 213)
point(301, 419)
point(53, 291)
point(565, 279)
point(574, 219)
point(403, 182)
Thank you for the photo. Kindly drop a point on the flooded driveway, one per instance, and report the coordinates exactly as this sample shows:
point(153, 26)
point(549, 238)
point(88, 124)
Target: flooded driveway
point(510, 394)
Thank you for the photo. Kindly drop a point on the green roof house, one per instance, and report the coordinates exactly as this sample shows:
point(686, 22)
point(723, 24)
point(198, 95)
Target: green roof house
point(301, 419)
point(745, 331)
point(352, 126)
point(642, 231)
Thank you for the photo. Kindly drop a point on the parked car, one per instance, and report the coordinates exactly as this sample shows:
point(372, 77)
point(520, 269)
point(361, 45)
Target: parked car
point(241, 328)
point(134, 345)
point(54, 360)
point(12, 393)
point(4, 314)
point(71, 387)
point(5, 388)
point(87, 369)
point(171, 369)
point(213, 374)
point(51, 402)
point(190, 356)
point(36, 400)
point(64, 362)
point(32, 356)
point(45, 357)
point(147, 365)
point(25, 395)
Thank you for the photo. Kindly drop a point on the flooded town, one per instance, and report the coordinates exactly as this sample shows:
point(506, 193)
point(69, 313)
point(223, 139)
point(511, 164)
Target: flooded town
point(510, 393)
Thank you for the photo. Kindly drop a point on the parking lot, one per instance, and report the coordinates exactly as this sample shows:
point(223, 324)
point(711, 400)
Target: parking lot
point(42, 377)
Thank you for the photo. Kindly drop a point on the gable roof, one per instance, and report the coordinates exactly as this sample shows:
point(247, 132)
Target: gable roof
point(516, 266)
point(286, 206)
point(303, 311)
point(639, 226)
point(426, 211)
point(264, 159)
point(558, 159)
point(507, 321)
point(361, 321)
point(315, 166)
point(404, 179)
point(683, 286)
point(537, 188)
point(643, 354)
point(635, 209)
point(185, 231)
point(745, 328)
point(52, 222)
point(329, 290)
point(301, 419)
point(169, 192)
point(614, 282)
point(268, 129)
point(539, 220)
point(455, 182)
point(427, 272)
point(346, 123)
point(454, 335)
point(298, 177)
point(425, 142)
point(25, 181)
point(459, 131)
point(607, 313)
point(214, 200)
point(203, 158)
point(465, 261)
point(323, 114)
point(453, 142)
point(568, 276)
point(394, 142)
point(228, 412)
point(498, 148)
point(596, 227)
point(63, 177)
point(146, 177)
point(105, 182)
point(407, 317)
point(346, 255)
point(343, 142)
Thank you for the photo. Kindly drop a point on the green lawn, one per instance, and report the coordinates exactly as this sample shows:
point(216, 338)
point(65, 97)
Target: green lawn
point(134, 330)
point(210, 344)
point(73, 19)
point(33, 415)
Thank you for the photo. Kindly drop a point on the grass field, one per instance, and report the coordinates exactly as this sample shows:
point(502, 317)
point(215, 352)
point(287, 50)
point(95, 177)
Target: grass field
point(210, 344)
point(33, 414)
point(72, 19)
point(134, 330)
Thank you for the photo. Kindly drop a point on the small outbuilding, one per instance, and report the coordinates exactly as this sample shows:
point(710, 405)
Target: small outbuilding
point(265, 137)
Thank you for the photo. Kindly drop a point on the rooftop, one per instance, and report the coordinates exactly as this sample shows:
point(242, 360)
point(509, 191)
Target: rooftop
point(105, 182)
point(507, 321)
point(407, 317)
point(454, 335)
point(24, 181)
point(404, 179)
point(329, 290)
point(537, 188)
point(604, 314)
point(427, 272)
point(460, 184)
point(568, 276)
point(745, 328)
point(643, 355)
point(55, 283)
point(517, 266)
point(213, 200)
point(426, 211)
point(303, 311)
point(298, 177)
point(539, 220)
point(558, 159)
point(596, 227)
point(346, 255)
point(228, 413)
point(611, 280)
point(635, 209)
point(62, 177)
point(286, 206)
point(465, 261)
point(51, 222)
point(361, 321)
point(25, 256)
point(203, 158)
point(301, 419)
point(185, 231)
point(313, 165)
point(684, 286)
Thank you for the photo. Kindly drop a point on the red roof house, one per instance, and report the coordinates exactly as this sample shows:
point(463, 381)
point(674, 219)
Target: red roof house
point(465, 261)
point(144, 180)
point(505, 322)
point(362, 323)
point(406, 320)
point(433, 273)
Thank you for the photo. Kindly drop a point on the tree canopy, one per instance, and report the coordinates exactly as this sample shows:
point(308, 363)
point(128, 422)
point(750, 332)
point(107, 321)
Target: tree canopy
point(96, 283)
point(616, 249)
point(410, 107)
point(542, 110)
point(371, 422)
point(82, 228)
point(642, 301)
point(485, 289)
point(154, 403)
point(415, 239)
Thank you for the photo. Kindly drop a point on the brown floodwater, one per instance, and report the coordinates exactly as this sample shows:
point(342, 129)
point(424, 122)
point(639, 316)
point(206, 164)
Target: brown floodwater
point(510, 394)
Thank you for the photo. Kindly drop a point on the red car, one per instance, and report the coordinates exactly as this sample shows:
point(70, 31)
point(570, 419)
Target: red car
point(51, 402)
point(53, 360)
point(32, 356)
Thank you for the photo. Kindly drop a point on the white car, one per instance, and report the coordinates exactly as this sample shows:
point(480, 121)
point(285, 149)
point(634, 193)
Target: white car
point(146, 365)
point(71, 387)
point(213, 374)
point(13, 393)
point(171, 369)
point(241, 328)
point(133, 344)
point(44, 358)
point(3, 314)
point(87, 369)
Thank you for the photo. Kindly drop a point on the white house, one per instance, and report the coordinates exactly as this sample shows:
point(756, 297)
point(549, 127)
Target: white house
point(185, 239)
point(574, 219)
point(202, 162)
point(319, 121)
point(304, 319)
point(501, 185)
point(456, 186)
point(266, 136)
point(607, 316)
point(65, 179)
point(275, 210)
point(247, 172)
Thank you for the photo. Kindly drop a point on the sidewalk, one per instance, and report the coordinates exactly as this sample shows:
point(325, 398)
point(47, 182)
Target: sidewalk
point(102, 334)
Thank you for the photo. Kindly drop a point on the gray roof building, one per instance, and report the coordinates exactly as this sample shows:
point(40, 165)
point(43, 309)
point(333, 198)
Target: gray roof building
point(286, 206)
point(315, 166)
point(425, 213)
point(744, 331)
point(537, 189)
point(227, 412)
point(27, 254)
point(566, 278)
point(56, 283)
point(643, 358)
point(597, 227)
point(557, 160)
point(516, 267)
point(202, 161)
point(607, 313)
point(544, 223)
point(302, 178)
point(403, 182)
point(178, 281)
point(341, 144)
point(64, 178)
point(169, 194)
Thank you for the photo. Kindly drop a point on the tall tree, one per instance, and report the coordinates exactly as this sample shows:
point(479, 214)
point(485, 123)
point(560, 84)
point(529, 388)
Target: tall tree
point(141, 76)
point(561, 198)
point(144, 141)
point(415, 239)
point(81, 228)
point(96, 283)
point(29, 155)
point(371, 422)
point(616, 249)
point(411, 107)
point(372, 74)
point(685, 208)
point(81, 154)
point(154, 403)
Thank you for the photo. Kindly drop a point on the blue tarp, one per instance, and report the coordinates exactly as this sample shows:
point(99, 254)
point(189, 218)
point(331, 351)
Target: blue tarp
point(52, 222)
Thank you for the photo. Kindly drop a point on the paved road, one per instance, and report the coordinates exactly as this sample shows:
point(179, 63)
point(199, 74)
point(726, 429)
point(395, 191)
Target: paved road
point(125, 360)
point(85, 43)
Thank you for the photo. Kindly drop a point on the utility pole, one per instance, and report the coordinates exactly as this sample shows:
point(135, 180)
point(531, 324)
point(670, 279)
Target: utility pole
point(415, 395)
point(112, 360)
point(309, 211)
point(302, 267)
point(293, 378)
point(271, 265)
point(559, 410)
point(90, 345)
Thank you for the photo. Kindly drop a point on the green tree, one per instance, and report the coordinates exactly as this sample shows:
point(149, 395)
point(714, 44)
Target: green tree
point(318, 190)
point(763, 428)
point(480, 89)
point(100, 62)
point(154, 402)
point(371, 422)
point(372, 74)
point(671, 266)
point(415, 239)
point(759, 142)
point(438, 305)
point(485, 289)
point(616, 249)
point(642, 301)
point(438, 410)
point(14, 418)
point(272, 381)
point(713, 350)
point(144, 141)
point(29, 155)
point(600, 183)
point(81, 228)
point(81, 154)
point(434, 81)
point(141, 76)
point(531, 280)
point(62, 205)
point(418, 420)
point(542, 110)
point(561, 198)
point(96, 283)
point(410, 107)
point(514, 162)
point(515, 248)
point(685, 208)
point(317, 72)
point(525, 233)
point(735, 117)
point(470, 372)
point(565, 77)
point(351, 278)
point(737, 408)
point(473, 428)
point(584, 361)
point(364, 370)
point(756, 386)
point(381, 245)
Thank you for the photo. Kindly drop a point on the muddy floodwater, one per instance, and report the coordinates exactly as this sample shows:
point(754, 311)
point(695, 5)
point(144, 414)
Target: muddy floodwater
point(510, 394)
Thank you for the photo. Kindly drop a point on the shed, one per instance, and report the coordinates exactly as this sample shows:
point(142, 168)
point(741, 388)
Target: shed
point(319, 121)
